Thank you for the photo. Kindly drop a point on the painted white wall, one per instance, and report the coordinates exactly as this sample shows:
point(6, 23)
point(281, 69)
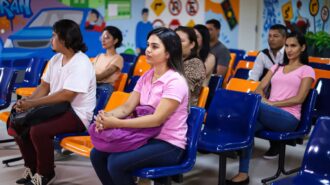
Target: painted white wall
point(248, 24)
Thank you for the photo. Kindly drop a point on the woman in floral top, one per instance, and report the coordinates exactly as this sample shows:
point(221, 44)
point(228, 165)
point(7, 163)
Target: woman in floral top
point(194, 68)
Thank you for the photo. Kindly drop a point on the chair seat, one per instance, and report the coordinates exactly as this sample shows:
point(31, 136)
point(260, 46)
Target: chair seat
point(81, 145)
point(25, 91)
point(4, 116)
point(163, 171)
point(215, 141)
point(302, 180)
point(277, 136)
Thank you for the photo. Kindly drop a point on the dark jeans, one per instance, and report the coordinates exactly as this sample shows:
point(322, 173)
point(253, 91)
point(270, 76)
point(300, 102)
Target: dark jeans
point(117, 168)
point(38, 150)
point(269, 118)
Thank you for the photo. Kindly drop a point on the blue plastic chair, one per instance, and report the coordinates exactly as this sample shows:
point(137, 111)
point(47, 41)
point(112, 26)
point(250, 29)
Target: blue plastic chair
point(291, 138)
point(242, 74)
point(128, 57)
point(315, 168)
point(319, 66)
point(7, 80)
point(229, 125)
point(239, 55)
point(127, 68)
point(102, 97)
point(250, 58)
point(130, 86)
point(194, 122)
point(214, 84)
point(322, 107)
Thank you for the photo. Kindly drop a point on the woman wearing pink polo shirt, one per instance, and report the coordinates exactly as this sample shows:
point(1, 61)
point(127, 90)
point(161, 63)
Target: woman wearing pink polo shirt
point(163, 87)
point(290, 84)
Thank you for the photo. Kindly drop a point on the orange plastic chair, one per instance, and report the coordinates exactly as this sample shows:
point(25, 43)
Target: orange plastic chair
point(4, 116)
point(243, 64)
point(319, 60)
point(230, 69)
point(241, 85)
point(320, 73)
point(82, 145)
point(253, 53)
point(121, 82)
point(27, 91)
point(141, 66)
point(203, 97)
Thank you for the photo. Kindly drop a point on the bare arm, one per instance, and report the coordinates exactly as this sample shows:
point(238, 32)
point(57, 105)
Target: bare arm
point(299, 98)
point(127, 108)
point(165, 108)
point(221, 70)
point(209, 64)
point(264, 83)
point(42, 90)
point(112, 69)
point(60, 96)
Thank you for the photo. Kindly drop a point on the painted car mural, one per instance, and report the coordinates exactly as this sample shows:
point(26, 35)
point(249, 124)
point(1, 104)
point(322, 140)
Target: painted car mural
point(29, 49)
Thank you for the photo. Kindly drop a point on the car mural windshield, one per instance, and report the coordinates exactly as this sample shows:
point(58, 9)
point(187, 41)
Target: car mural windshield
point(48, 18)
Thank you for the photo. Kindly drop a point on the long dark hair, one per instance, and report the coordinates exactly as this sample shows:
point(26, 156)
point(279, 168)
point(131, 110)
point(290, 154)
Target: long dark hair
point(192, 38)
point(172, 44)
point(205, 47)
point(69, 32)
point(302, 41)
point(115, 33)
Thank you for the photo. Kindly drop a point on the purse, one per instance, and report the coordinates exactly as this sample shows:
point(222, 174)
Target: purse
point(19, 123)
point(124, 139)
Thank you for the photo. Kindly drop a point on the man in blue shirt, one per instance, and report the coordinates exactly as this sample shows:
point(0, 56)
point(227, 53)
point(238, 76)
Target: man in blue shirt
point(142, 29)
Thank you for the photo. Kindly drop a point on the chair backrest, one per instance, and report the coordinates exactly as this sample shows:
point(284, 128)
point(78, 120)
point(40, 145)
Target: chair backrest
point(194, 121)
point(141, 66)
point(7, 80)
point(319, 60)
point(33, 72)
point(132, 82)
point(239, 55)
point(233, 112)
point(320, 66)
point(316, 158)
point(307, 109)
point(320, 73)
point(230, 69)
point(243, 64)
point(102, 97)
point(323, 98)
point(127, 68)
point(214, 84)
point(203, 97)
point(128, 57)
point(250, 58)
point(241, 85)
point(121, 82)
point(253, 53)
point(117, 98)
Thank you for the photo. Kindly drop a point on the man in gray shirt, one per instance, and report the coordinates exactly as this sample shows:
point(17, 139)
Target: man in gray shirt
point(219, 50)
point(274, 54)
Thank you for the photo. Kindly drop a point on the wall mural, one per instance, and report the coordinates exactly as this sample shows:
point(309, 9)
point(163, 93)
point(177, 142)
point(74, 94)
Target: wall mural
point(303, 15)
point(16, 14)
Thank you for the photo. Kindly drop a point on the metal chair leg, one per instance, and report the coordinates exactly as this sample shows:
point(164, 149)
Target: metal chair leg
point(222, 170)
point(6, 162)
point(7, 140)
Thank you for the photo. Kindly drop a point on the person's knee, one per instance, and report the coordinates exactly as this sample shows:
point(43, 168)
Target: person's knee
point(115, 167)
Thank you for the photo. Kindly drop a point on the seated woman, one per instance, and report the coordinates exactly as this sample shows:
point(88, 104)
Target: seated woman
point(164, 88)
point(194, 68)
point(290, 84)
point(63, 82)
point(108, 65)
point(203, 39)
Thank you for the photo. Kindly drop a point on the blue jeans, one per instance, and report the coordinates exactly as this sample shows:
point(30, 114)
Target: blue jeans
point(269, 118)
point(117, 168)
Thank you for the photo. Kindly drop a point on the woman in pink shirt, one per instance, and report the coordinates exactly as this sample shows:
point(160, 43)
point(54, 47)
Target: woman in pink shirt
point(164, 87)
point(290, 84)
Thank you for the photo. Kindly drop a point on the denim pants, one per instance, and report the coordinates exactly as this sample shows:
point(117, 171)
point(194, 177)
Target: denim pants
point(118, 168)
point(269, 118)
